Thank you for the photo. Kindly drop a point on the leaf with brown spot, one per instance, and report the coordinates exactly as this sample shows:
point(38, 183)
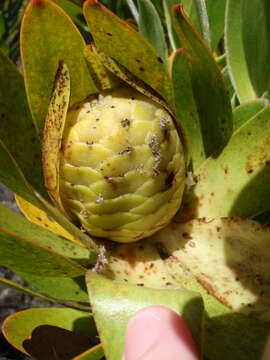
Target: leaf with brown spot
point(116, 39)
point(53, 132)
point(103, 79)
point(236, 183)
point(50, 30)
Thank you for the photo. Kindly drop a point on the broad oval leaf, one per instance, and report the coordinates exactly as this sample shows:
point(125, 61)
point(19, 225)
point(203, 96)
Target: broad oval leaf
point(114, 303)
point(20, 326)
point(228, 256)
point(116, 39)
point(17, 131)
point(212, 100)
point(237, 182)
point(163, 258)
point(45, 26)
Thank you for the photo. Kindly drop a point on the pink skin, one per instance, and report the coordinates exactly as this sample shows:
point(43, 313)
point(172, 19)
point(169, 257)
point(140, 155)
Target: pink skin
point(158, 333)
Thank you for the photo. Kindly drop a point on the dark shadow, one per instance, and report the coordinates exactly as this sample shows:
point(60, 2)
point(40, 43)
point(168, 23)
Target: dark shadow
point(256, 192)
point(235, 337)
point(54, 343)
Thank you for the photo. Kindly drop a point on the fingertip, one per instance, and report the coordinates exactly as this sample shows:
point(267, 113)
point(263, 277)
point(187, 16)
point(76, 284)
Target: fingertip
point(158, 332)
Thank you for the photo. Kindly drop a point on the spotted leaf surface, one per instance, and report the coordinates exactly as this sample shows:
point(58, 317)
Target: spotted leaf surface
point(46, 26)
point(116, 39)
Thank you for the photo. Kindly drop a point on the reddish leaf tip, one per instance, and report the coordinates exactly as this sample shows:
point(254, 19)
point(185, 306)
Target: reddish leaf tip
point(91, 2)
point(37, 2)
point(180, 51)
point(178, 9)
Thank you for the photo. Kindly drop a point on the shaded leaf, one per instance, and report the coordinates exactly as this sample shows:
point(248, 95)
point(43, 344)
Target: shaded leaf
point(58, 287)
point(186, 110)
point(12, 177)
point(226, 185)
point(116, 39)
point(114, 303)
point(228, 256)
point(173, 38)
point(23, 145)
point(151, 28)
point(18, 327)
point(24, 289)
point(11, 221)
point(213, 103)
point(47, 27)
point(19, 253)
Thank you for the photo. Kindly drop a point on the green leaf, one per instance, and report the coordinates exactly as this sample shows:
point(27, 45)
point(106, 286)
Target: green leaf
point(24, 290)
point(248, 46)
point(186, 110)
point(216, 17)
point(173, 38)
point(15, 114)
point(44, 325)
point(114, 303)
point(151, 28)
point(12, 177)
point(245, 111)
point(11, 221)
point(74, 10)
point(226, 185)
point(58, 287)
point(116, 39)
point(96, 353)
point(45, 26)
point(213, 103)
point(235, 49)
point(20, 253)
point(2, 25)
point(202, 14)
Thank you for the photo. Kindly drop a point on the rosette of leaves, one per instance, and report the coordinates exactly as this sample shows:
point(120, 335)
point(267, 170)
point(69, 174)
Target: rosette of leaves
point(210, 263)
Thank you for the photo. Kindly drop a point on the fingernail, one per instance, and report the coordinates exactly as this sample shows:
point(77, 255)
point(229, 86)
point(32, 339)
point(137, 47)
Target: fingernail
point(142, 333)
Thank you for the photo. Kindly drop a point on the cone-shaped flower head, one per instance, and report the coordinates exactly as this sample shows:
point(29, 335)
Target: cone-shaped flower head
point(122, 166)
